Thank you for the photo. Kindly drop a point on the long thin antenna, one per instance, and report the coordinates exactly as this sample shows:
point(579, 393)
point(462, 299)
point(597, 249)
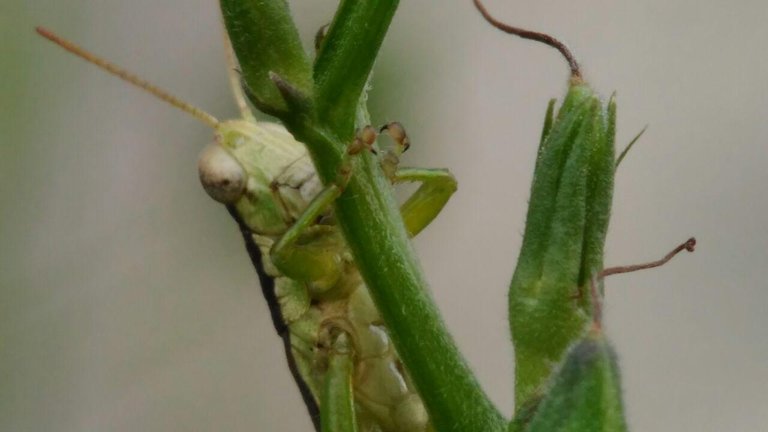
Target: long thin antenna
point(532, 35)
point(129, 77)
point(689, 245)
point(234, 79)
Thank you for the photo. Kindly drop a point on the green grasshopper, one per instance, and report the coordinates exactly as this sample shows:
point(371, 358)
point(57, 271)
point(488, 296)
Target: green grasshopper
point(332, 332)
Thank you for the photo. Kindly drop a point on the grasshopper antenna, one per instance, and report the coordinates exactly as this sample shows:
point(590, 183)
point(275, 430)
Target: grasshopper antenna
point(233, 72)
point(129, 77)
point(532, 35)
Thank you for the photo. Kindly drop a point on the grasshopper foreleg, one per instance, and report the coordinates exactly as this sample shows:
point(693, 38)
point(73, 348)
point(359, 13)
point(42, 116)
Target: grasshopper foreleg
point(312, 252)
point(391, 158)
point(337, 410)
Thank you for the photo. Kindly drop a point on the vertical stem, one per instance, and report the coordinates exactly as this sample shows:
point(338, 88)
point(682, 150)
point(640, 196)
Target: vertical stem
point(370, 219)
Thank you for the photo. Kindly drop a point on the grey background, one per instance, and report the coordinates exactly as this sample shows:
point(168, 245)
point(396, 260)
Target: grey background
point(127, 301)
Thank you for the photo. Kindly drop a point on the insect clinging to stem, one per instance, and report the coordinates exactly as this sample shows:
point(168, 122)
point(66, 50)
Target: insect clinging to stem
point(320, 307)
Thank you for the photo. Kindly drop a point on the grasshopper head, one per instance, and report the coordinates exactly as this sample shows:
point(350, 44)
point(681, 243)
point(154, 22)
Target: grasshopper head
point(259, 169)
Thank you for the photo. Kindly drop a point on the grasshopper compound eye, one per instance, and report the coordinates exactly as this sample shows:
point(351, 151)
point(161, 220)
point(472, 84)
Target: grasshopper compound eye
point(221, 175)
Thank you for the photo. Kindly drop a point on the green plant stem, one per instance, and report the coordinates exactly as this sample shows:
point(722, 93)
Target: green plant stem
point(375, 232)
point(266, 27)
point(346, 58)
point(370, 219)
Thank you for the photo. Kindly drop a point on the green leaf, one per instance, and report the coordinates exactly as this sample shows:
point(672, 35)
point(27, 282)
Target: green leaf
point(265, 40)
point(585, 394)
point(346, 58)
point(564, 236)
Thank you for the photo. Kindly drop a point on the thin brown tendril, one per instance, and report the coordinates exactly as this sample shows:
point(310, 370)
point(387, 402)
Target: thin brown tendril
point(689, 246)
point(539, 37)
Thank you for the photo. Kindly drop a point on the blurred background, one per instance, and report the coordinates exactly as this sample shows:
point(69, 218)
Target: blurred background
point(127, 301)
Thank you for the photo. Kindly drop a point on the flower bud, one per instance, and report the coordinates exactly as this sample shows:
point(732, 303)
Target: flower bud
point(567, 220)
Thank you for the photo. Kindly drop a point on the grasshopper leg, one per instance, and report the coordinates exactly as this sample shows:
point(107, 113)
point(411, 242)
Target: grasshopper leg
point(303, 252)
point(337, 411)
point(437, 186)
point(391, 157)
point(364, 140)
point(308, 251)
